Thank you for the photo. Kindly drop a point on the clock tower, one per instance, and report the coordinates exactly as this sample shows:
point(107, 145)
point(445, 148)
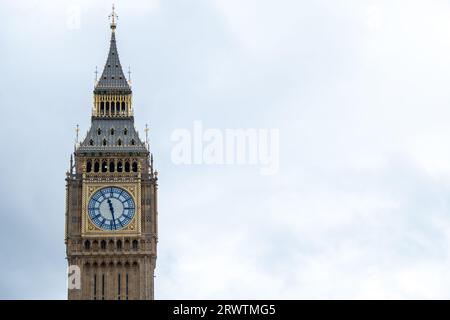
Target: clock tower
point(111, 197)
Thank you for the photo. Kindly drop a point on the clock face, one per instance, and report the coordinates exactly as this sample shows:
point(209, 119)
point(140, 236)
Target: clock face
point(111, 208)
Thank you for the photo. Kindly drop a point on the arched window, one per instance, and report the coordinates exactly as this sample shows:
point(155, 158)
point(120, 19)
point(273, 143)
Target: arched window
point(91, 142)
point(104, 142)
point(135, 244)
point(133, 142)
point(125, 131)
point(107, 107)
point(119, 166)
point(123, 106)
point(119, 244)
point(89, 166)
point(104, 166)
point(102, 107)
point(96, 167)
point(112, 166)
point(111, 245)
point(87, 244)
point(119, 142)
point(135, 166)
point(127, 166)
point(117, 107)
point(99, 131)
point(103, 245)
point(112, 131)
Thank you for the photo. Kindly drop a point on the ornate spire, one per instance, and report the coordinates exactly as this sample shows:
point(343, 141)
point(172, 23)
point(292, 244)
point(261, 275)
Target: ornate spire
point(113, 78)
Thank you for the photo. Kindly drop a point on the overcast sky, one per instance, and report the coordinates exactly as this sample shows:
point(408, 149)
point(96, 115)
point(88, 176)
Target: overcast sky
point(358, 89)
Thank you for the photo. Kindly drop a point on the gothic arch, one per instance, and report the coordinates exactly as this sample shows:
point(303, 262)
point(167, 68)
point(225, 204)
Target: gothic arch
point(96, 166)
point(104, 166)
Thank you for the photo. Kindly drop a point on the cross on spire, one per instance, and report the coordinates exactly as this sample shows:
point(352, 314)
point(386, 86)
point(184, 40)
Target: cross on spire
point(113, 17)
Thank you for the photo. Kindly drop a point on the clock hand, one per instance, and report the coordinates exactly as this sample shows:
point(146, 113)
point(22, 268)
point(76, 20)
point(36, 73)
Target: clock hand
point(112, 212)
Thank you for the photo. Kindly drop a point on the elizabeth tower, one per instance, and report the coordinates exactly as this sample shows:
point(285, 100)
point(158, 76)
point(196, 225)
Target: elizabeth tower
point(111, 200)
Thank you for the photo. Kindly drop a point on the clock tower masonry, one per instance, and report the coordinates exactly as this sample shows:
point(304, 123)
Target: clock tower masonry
point(111, 229)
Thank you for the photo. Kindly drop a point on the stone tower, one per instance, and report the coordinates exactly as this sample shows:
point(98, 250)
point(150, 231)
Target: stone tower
point(111, 200)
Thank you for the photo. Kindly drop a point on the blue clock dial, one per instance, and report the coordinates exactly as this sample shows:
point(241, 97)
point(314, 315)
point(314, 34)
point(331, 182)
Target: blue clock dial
point(111, 208)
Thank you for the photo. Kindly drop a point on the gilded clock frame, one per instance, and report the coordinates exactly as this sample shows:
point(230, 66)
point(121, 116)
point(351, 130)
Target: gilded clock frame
point(88, 228)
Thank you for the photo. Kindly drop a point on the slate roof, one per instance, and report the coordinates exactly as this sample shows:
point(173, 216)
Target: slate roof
point(94, 141)
point(124, 137)
point(113, 78)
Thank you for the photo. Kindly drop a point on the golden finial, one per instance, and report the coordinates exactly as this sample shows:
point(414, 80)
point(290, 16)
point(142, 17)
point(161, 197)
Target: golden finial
point(113, 16)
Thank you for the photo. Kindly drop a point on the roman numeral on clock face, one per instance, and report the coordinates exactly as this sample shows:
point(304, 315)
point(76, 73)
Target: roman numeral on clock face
point(111, 208)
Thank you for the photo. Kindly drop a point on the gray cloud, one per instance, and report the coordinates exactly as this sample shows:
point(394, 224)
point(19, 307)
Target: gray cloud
point(358, 90)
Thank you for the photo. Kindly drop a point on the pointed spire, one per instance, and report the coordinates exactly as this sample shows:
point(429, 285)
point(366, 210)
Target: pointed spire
point(113, 78)
point(151, 164)
point(71, 164)
point(77, 131)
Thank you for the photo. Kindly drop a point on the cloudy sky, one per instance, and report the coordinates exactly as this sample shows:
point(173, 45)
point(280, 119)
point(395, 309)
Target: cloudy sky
point(358, 89)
